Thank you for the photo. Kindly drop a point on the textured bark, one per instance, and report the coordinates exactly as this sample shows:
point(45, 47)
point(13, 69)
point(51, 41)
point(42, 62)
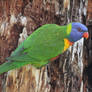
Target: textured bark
point(18, 19)
point(88, 48)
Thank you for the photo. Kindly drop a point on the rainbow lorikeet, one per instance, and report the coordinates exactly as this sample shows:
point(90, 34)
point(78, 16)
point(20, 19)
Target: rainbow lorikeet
point(45, 43)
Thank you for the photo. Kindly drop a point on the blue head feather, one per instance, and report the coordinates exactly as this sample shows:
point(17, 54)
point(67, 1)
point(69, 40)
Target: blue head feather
point(77, 31)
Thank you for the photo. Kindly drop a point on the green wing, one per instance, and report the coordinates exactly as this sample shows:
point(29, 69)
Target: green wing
point(45, 43)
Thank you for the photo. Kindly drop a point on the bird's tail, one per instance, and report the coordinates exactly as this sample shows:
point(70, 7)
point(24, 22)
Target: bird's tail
point(11, 65)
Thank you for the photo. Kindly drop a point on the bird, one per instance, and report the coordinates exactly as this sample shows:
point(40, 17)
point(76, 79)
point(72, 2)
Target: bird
point(44, 45)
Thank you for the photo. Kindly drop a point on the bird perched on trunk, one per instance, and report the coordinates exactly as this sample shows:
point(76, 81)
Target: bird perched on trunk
point(44, 45)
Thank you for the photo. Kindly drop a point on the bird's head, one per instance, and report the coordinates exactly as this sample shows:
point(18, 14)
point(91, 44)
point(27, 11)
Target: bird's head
point(78, 31)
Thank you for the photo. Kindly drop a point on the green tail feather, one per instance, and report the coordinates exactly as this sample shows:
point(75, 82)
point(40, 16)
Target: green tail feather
point(17, 64)
point(11, 65)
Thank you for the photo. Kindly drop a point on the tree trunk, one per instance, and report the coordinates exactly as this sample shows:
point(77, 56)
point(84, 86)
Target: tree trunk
point(18, 19)
point(87, 75)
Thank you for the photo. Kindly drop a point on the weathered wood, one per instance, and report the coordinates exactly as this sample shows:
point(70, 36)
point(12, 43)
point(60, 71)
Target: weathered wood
point(87, 75)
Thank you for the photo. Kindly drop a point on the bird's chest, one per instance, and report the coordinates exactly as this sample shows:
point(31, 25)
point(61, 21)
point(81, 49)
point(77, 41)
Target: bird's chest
point(66, 44)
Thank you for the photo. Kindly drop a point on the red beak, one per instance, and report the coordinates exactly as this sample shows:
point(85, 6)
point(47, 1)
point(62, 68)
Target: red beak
point(86, 35)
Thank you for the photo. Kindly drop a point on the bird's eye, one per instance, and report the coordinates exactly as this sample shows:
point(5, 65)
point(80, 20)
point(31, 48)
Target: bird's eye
point(79, 29)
